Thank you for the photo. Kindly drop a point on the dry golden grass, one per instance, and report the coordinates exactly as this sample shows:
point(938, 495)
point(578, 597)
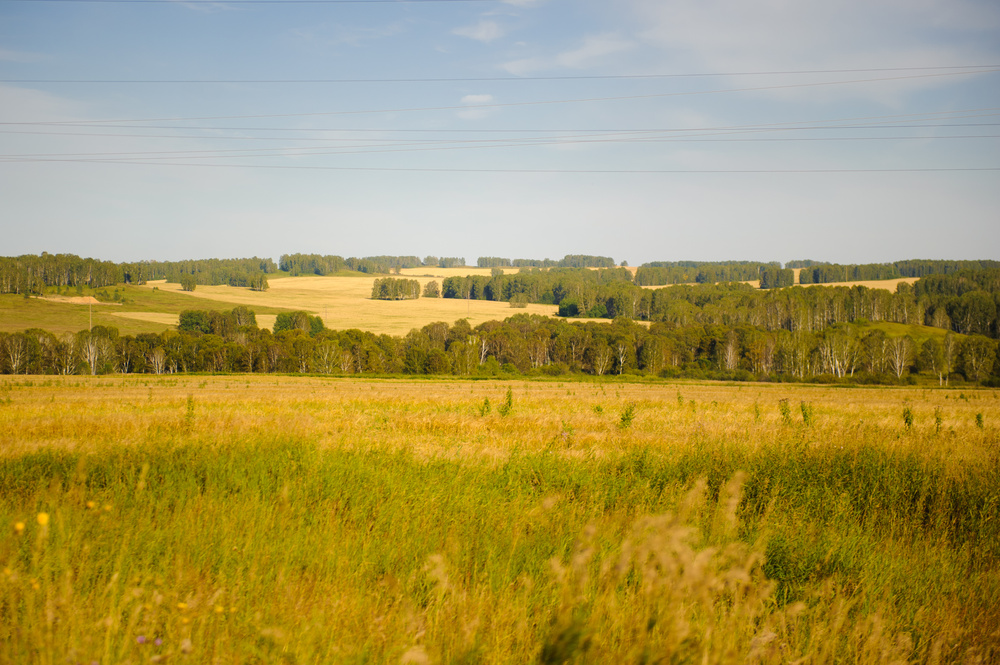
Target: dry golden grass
point(442, 416)
point(344, 302)
point(302, 519)
point(162, 318)
point(78, 300)
point(885, 284)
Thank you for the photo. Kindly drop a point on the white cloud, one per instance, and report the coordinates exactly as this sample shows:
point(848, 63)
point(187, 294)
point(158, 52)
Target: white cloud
point(594, 49)
point(782, 35)
point(592, 53)
point(484, 31)
point(477, 99)
point(524, 66)
point(475, 103)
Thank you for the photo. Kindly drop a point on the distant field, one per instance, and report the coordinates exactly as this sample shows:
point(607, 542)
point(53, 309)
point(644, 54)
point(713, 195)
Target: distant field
point(344, 302)
point(272, 519)
point(341, 300)
point(146, 309)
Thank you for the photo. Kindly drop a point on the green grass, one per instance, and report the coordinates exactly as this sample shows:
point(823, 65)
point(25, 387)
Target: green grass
point(918, 333)
point(18, 313)
point(259, 519)
point(275, 550)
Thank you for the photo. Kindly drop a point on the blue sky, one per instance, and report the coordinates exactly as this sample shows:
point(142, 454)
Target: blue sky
point(639, 129)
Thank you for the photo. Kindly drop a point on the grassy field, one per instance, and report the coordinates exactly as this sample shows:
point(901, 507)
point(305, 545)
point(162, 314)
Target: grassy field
point(342, 300)
point(145, 309)
point(240, 519)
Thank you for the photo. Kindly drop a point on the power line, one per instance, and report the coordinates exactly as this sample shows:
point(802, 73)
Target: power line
point(467, 107)
point(251, 2)
point(446, 145)
point(547, 171)
point(493, 79)
point(747, 128)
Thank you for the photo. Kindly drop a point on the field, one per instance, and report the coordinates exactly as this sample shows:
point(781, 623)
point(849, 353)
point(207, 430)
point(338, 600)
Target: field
point(342, 300)
point(241, 519)
point(146, 309)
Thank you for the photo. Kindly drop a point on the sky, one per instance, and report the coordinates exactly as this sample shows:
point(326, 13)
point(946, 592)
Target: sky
point(853, 131)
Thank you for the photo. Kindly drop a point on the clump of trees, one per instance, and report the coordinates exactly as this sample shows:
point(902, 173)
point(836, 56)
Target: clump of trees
point(568, 261)
point(392, 288)
point(246, 273)
point(826, 273)
point(316, 264)
point(660, 273)
point(30, 275)
point(303, 321)
point(776, 278)
point(432, 289)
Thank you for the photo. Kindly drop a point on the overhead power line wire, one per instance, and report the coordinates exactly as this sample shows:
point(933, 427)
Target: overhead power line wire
point(745, 128)
point(492, 79)
point(523, 104)
point(880, 122)
point(252, 2)
point(424, 146)
point(547, 171)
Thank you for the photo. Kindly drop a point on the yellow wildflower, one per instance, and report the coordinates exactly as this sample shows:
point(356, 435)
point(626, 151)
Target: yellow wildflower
point(43, 519)
point(19, 527)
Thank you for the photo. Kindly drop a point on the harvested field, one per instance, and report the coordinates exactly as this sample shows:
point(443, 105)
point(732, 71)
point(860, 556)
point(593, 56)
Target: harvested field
point(344, 302)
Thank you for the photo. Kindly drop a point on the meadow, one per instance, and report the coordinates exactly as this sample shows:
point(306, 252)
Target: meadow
point(341, 300)
point(242, 519)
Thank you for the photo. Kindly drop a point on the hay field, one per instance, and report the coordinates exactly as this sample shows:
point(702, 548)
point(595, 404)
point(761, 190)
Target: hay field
point(344, 302)
point(252, 518)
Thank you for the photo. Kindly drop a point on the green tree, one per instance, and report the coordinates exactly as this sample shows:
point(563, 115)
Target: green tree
point(432, 289)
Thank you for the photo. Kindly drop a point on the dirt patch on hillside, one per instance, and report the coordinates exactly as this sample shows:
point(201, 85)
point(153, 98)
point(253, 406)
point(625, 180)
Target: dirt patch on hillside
point(77, 300)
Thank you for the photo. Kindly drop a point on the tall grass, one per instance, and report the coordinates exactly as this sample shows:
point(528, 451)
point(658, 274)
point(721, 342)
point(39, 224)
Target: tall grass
point(279, 543)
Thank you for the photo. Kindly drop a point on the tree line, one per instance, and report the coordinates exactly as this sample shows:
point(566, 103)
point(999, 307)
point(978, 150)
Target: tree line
point(835, 272)
point(317, 264)
point(521, 345)
point(659, 273)
point(568, 261)
point(31, 275)
point(966, 302)
point(248, 272)
point(893, 270)
point(34, 275)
